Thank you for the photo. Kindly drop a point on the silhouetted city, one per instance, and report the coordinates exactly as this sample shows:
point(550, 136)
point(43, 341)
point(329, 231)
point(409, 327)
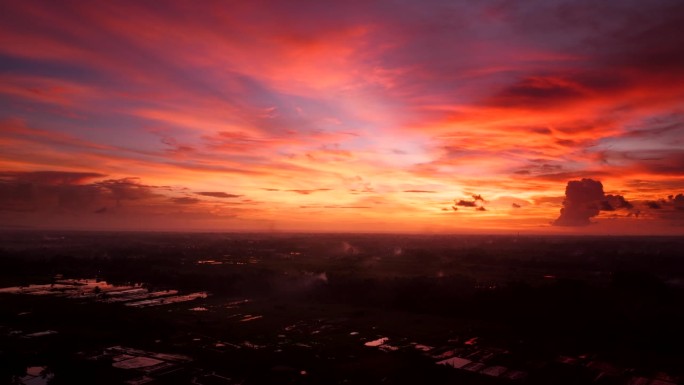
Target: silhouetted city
point(173, 308)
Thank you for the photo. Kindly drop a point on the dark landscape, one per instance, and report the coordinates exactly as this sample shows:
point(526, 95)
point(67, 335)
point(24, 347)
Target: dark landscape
point(339, 309)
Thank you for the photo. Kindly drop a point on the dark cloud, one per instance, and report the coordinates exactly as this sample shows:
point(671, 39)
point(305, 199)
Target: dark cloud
point(637, 52)
point(114, 203)
point(50, 177)
point(476, 203)
point(185, 200)
point(540, 168)
point(669, 209)
point(615, 202)
point(582, 202)
point(126, 189)
point(217, 194)
point(580, 126)
point(678, 201)
point(584, 199)
point(541, 130)
point(537, 92)
point(639, 36)
point(655, 186)
point(663, 161)
point(634, 213)
point(67, 192)
point(605, 206)
point(653, 46)
point(73, 197)
point(672, 203)
point(464, 203)
point(36, 191)
point(561, 176)
point(515, 205)
point(566, 142)
point(552, 90)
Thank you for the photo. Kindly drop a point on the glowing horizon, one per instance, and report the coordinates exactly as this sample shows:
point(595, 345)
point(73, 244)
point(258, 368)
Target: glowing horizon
point(300, 116)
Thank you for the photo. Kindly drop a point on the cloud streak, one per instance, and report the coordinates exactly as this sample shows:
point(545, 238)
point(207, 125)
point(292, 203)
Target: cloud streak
point(218, 194)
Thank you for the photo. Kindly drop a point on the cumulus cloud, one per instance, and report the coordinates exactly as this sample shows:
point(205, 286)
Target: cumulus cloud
point(584, 199)
point(671, 203)
point(669, 209)
point(582, 202)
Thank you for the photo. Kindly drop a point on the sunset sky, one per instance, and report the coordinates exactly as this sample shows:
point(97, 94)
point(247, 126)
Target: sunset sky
point(409, 116)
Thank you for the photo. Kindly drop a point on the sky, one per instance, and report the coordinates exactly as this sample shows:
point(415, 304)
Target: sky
point(559, 117)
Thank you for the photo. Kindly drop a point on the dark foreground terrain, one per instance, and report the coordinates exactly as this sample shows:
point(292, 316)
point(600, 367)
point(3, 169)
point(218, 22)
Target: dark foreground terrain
point(112, 308)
